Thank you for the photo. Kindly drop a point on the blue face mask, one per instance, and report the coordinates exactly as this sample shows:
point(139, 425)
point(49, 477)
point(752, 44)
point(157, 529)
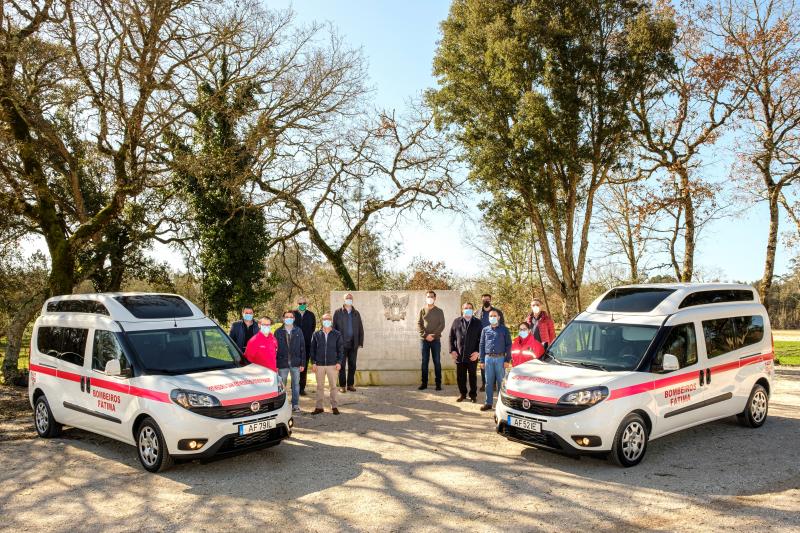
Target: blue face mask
point(524, 333)
point(266, 330)
point(248, 316)
point(326, 323)
point(493, 320)
point(288, 321)
point(468, 313)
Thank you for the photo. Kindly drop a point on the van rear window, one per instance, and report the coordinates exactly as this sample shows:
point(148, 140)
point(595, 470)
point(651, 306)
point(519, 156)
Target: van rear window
point(77, 306)
point(155, 306)
point(716, 297)
point(633, 299)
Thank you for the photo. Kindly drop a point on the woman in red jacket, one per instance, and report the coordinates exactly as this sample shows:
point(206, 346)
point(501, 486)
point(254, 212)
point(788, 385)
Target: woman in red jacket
point(542, 327)
point(262, 348)
point(525, 347)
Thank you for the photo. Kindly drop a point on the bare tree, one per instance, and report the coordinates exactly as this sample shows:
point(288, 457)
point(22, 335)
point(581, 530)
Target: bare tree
point(766, 38)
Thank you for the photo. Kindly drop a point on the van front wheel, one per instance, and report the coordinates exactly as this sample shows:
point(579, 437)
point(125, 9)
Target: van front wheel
point(151, 447)
point(46, 425)
point(755, 413)
point(630, 442)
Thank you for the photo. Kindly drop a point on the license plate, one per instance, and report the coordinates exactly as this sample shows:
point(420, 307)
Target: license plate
point(255, 427)
point(524, 423)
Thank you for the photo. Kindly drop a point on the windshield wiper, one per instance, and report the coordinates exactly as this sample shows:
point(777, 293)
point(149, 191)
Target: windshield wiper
point(590, 365)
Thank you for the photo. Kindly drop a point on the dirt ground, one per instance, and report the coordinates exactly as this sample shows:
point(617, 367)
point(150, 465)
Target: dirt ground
point(401, 460)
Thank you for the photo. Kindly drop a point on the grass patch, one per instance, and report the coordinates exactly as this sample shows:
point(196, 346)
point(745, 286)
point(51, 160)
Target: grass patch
point(787, 353)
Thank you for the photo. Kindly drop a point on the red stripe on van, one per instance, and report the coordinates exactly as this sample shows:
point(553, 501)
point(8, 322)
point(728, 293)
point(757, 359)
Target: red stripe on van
point(249, 399)
point(149, 394)
point(44, 370)
point(111, 385)
point(104, 384)
point(534, 397)
point(69, 376)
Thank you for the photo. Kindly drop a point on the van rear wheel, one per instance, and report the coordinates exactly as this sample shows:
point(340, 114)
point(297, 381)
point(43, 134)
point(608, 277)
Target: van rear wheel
point(630, 442)
point(43, 420)
point(757, 408)
point(151, 447)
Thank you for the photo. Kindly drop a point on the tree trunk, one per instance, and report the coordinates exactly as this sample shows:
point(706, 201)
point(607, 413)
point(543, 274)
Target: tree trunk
point(687, 201)
point(16, 329)
point(572, 302)
point(772, 244)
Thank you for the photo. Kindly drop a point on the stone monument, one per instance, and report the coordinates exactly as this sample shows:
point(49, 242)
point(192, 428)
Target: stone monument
point(391, 352)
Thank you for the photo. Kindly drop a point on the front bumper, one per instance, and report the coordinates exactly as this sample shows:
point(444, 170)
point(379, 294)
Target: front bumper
point(558, 431)
point(222, 434)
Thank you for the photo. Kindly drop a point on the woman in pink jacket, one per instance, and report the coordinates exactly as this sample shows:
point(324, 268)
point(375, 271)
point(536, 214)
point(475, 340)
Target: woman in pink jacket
point(262, 348)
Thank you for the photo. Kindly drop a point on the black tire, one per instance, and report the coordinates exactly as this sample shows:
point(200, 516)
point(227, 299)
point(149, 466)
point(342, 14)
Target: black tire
point(757, 408)
point(630, 442)
point(151, 448)
point(43, 420)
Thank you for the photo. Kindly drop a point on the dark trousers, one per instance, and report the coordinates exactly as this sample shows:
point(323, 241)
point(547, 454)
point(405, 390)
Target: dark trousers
point(462, 370)
point(483, 378)
point(431, 350)
point(303, 376)
point(347, 374)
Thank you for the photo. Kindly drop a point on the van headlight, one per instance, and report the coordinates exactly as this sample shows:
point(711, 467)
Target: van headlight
point(588, 396)
point(190, 398)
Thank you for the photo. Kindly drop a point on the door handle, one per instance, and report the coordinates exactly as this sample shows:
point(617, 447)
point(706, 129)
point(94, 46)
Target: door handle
point(702, 375)
point(708, 375)
point(82, 382)
point(88, 384)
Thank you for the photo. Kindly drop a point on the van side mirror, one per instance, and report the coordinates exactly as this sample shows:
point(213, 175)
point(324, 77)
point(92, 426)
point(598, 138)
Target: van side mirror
point(670, 363)
point(113, 368)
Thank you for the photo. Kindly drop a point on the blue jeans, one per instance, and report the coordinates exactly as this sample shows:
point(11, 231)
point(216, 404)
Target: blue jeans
point(431, 349)
point(495, 372)
point(295, 371)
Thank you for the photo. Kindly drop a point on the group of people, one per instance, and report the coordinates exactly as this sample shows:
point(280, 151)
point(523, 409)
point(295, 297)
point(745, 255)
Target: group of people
point(475, 340)
point(297, 344)
point(481, 341)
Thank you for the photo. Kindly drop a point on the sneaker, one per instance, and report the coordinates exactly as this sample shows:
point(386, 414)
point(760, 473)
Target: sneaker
point(422, 387)
point(351, 388)
point(296, 409)
point(461, 398)
point(486, 407)
point(317, 411)
point(343, 390)
point(473, 400)
point(335, 411)
point(438, 387)
point(303, 393)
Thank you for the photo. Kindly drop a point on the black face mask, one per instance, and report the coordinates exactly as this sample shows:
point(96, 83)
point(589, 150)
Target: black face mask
point(487, 304)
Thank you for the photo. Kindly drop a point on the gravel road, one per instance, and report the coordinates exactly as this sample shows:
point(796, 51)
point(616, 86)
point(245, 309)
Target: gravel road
point(397, 460)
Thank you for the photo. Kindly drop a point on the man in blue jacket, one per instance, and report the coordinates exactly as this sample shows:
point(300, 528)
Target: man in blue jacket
point(291, 355)
point(495, 350)
point(243, 330)
point(325, 358)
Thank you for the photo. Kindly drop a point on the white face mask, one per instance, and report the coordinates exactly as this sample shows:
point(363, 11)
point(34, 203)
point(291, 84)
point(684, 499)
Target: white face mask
point(348, 302)
point(536, 309)
point(429, 301)
point(266, 330)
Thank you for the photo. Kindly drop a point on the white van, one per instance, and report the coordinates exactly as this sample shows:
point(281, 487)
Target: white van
point(153, 371)
point(643, 361)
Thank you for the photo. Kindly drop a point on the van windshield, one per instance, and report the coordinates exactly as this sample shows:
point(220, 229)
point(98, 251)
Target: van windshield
point(602, 345)
point(183, 350)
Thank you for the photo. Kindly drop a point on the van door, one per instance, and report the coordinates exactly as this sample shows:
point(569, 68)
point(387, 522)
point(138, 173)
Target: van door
point(679, 394)
point(731, 343)
point(45, 349)
point(71, 344)
point(110, 402)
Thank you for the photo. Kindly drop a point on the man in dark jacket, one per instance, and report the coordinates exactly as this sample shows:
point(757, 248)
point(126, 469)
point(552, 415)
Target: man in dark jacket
point(243, 330)
point(325, 358)
point(307, 322)
point(291, 357)
point(465, 340)
point(348, 322)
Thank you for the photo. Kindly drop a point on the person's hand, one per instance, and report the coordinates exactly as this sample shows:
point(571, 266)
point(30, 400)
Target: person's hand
point(429, 338)
point(482, 366)
point(506, 365)
point(313, 368)
point(454, 355)
point(474, 356)
point(338, 366)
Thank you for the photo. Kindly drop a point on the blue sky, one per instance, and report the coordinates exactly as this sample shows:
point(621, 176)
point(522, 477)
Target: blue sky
point(399, 41)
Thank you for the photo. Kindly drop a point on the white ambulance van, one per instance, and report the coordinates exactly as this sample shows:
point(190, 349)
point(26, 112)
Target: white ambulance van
point(642, 362)
point(153, 371)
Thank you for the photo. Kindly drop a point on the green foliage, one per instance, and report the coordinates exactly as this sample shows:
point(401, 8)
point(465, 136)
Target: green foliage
point(230, 231)
point(427, 275)
point(787, 353)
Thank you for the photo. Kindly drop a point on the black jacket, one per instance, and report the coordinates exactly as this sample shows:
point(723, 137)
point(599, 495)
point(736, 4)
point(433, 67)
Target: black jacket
point(465, 339)
point(326, 352)
point(297, 351)
point(307, 322)
point(238, 333)
point(340, 323)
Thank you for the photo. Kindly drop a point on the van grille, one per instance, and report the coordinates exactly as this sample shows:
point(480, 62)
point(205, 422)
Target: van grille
point(241, 410)
point(541, 439)
point(236, 443)
point(540, 408)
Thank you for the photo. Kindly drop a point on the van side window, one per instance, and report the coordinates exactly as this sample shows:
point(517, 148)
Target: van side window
point(106, 347)
point(724, 335)
point(682, 343)
point(67, 344)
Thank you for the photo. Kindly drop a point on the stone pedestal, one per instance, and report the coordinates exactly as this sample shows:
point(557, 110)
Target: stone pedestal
point(391, 352)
